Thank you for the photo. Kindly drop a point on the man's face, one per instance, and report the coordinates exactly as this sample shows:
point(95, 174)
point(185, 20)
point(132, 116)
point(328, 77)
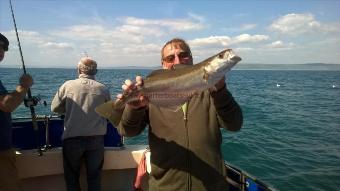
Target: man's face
point(2, 53)
point(173, 54)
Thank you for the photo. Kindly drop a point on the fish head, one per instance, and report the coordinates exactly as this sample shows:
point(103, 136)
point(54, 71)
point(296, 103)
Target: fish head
point(218, 65)
point(226, 59)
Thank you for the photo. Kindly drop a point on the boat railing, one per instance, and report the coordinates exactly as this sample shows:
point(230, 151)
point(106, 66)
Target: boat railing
point(242, 181)
point(49, 133)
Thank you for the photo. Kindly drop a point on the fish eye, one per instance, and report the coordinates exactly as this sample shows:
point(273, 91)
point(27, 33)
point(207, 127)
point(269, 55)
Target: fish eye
point(220, 56)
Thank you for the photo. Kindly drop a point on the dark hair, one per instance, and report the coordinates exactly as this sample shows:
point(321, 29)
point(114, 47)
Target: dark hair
point(178, 41)
point(4, 42)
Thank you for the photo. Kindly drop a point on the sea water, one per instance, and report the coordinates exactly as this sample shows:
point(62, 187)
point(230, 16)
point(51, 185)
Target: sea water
point(291, 133)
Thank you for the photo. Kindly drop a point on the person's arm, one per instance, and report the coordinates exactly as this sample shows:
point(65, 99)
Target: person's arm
point(9, 102)
point(229, 113)
point(133, 121)
point(134, 116)
point(58, 102)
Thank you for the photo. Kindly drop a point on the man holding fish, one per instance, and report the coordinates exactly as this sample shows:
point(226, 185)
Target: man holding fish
point(184, 106)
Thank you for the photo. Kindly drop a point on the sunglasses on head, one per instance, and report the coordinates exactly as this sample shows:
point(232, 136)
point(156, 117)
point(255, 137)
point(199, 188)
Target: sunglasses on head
point(181, 55)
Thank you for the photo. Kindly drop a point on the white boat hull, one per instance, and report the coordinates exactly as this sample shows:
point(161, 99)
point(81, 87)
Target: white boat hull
point(45, 173)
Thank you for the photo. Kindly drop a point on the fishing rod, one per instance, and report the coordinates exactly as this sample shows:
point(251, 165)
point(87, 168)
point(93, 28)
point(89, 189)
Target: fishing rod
point(31, 100)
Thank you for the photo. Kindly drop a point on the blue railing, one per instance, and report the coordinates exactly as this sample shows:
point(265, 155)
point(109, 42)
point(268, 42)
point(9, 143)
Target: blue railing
point(24, 136)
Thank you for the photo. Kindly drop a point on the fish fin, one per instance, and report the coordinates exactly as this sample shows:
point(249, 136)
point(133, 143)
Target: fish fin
point(110, 112)
point(104, 110)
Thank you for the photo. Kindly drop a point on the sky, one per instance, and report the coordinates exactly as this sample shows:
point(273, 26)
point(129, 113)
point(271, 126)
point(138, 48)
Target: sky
point(122, 33)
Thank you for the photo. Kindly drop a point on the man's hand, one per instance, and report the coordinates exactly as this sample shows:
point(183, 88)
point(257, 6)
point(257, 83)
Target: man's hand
point(26, 81)
point(219, 85)
point(128, 87)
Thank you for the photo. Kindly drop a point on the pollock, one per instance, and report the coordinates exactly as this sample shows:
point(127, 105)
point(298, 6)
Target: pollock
point(173, 87)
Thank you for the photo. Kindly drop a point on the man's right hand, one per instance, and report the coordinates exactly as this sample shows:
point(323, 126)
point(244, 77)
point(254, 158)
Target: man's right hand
point(128, 86)
point(26, 81)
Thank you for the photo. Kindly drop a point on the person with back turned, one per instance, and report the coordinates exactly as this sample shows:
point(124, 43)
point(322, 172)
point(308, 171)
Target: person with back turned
point(84, 129)
point(185, 144)
point(9, 180)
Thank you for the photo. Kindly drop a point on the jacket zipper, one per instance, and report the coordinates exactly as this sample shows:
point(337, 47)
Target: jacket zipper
point(185, 118)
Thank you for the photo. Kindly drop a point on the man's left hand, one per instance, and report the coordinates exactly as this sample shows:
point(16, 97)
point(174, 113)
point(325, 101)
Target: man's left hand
point(219, 85)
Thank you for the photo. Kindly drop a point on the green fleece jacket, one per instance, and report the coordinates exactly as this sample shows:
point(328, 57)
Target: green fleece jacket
point(186, 148)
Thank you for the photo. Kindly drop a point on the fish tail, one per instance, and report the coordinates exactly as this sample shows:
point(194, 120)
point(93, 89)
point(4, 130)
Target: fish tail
point(111, 110)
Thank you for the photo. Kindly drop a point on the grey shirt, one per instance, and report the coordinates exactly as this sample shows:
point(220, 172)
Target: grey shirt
point(77, 99)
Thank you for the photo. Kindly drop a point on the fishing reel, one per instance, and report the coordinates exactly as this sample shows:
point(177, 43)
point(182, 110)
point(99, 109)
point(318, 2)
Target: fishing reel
point(33, 101)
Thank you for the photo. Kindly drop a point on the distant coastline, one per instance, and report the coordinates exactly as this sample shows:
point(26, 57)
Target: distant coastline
point(307, 66)
point(241, 66)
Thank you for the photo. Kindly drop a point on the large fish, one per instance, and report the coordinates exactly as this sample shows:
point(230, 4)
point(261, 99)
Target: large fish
point(172, 88)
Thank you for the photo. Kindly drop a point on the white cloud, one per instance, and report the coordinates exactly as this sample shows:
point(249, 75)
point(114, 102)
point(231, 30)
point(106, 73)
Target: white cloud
point(30, 37)
point(82, 32)
point(210, 41)
point(138, 30)
point(55, 45)
point(246, 38)
point(218, 41)
point(137, 41)
point(171, 24)
point(130, 30)
point(331, 28)
point(36, 40)
point(110, 44)
point(132, 41)
point(296, 24)
point(205, 47)
point(280, 45)
point(244, 49)
point(142, 49)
